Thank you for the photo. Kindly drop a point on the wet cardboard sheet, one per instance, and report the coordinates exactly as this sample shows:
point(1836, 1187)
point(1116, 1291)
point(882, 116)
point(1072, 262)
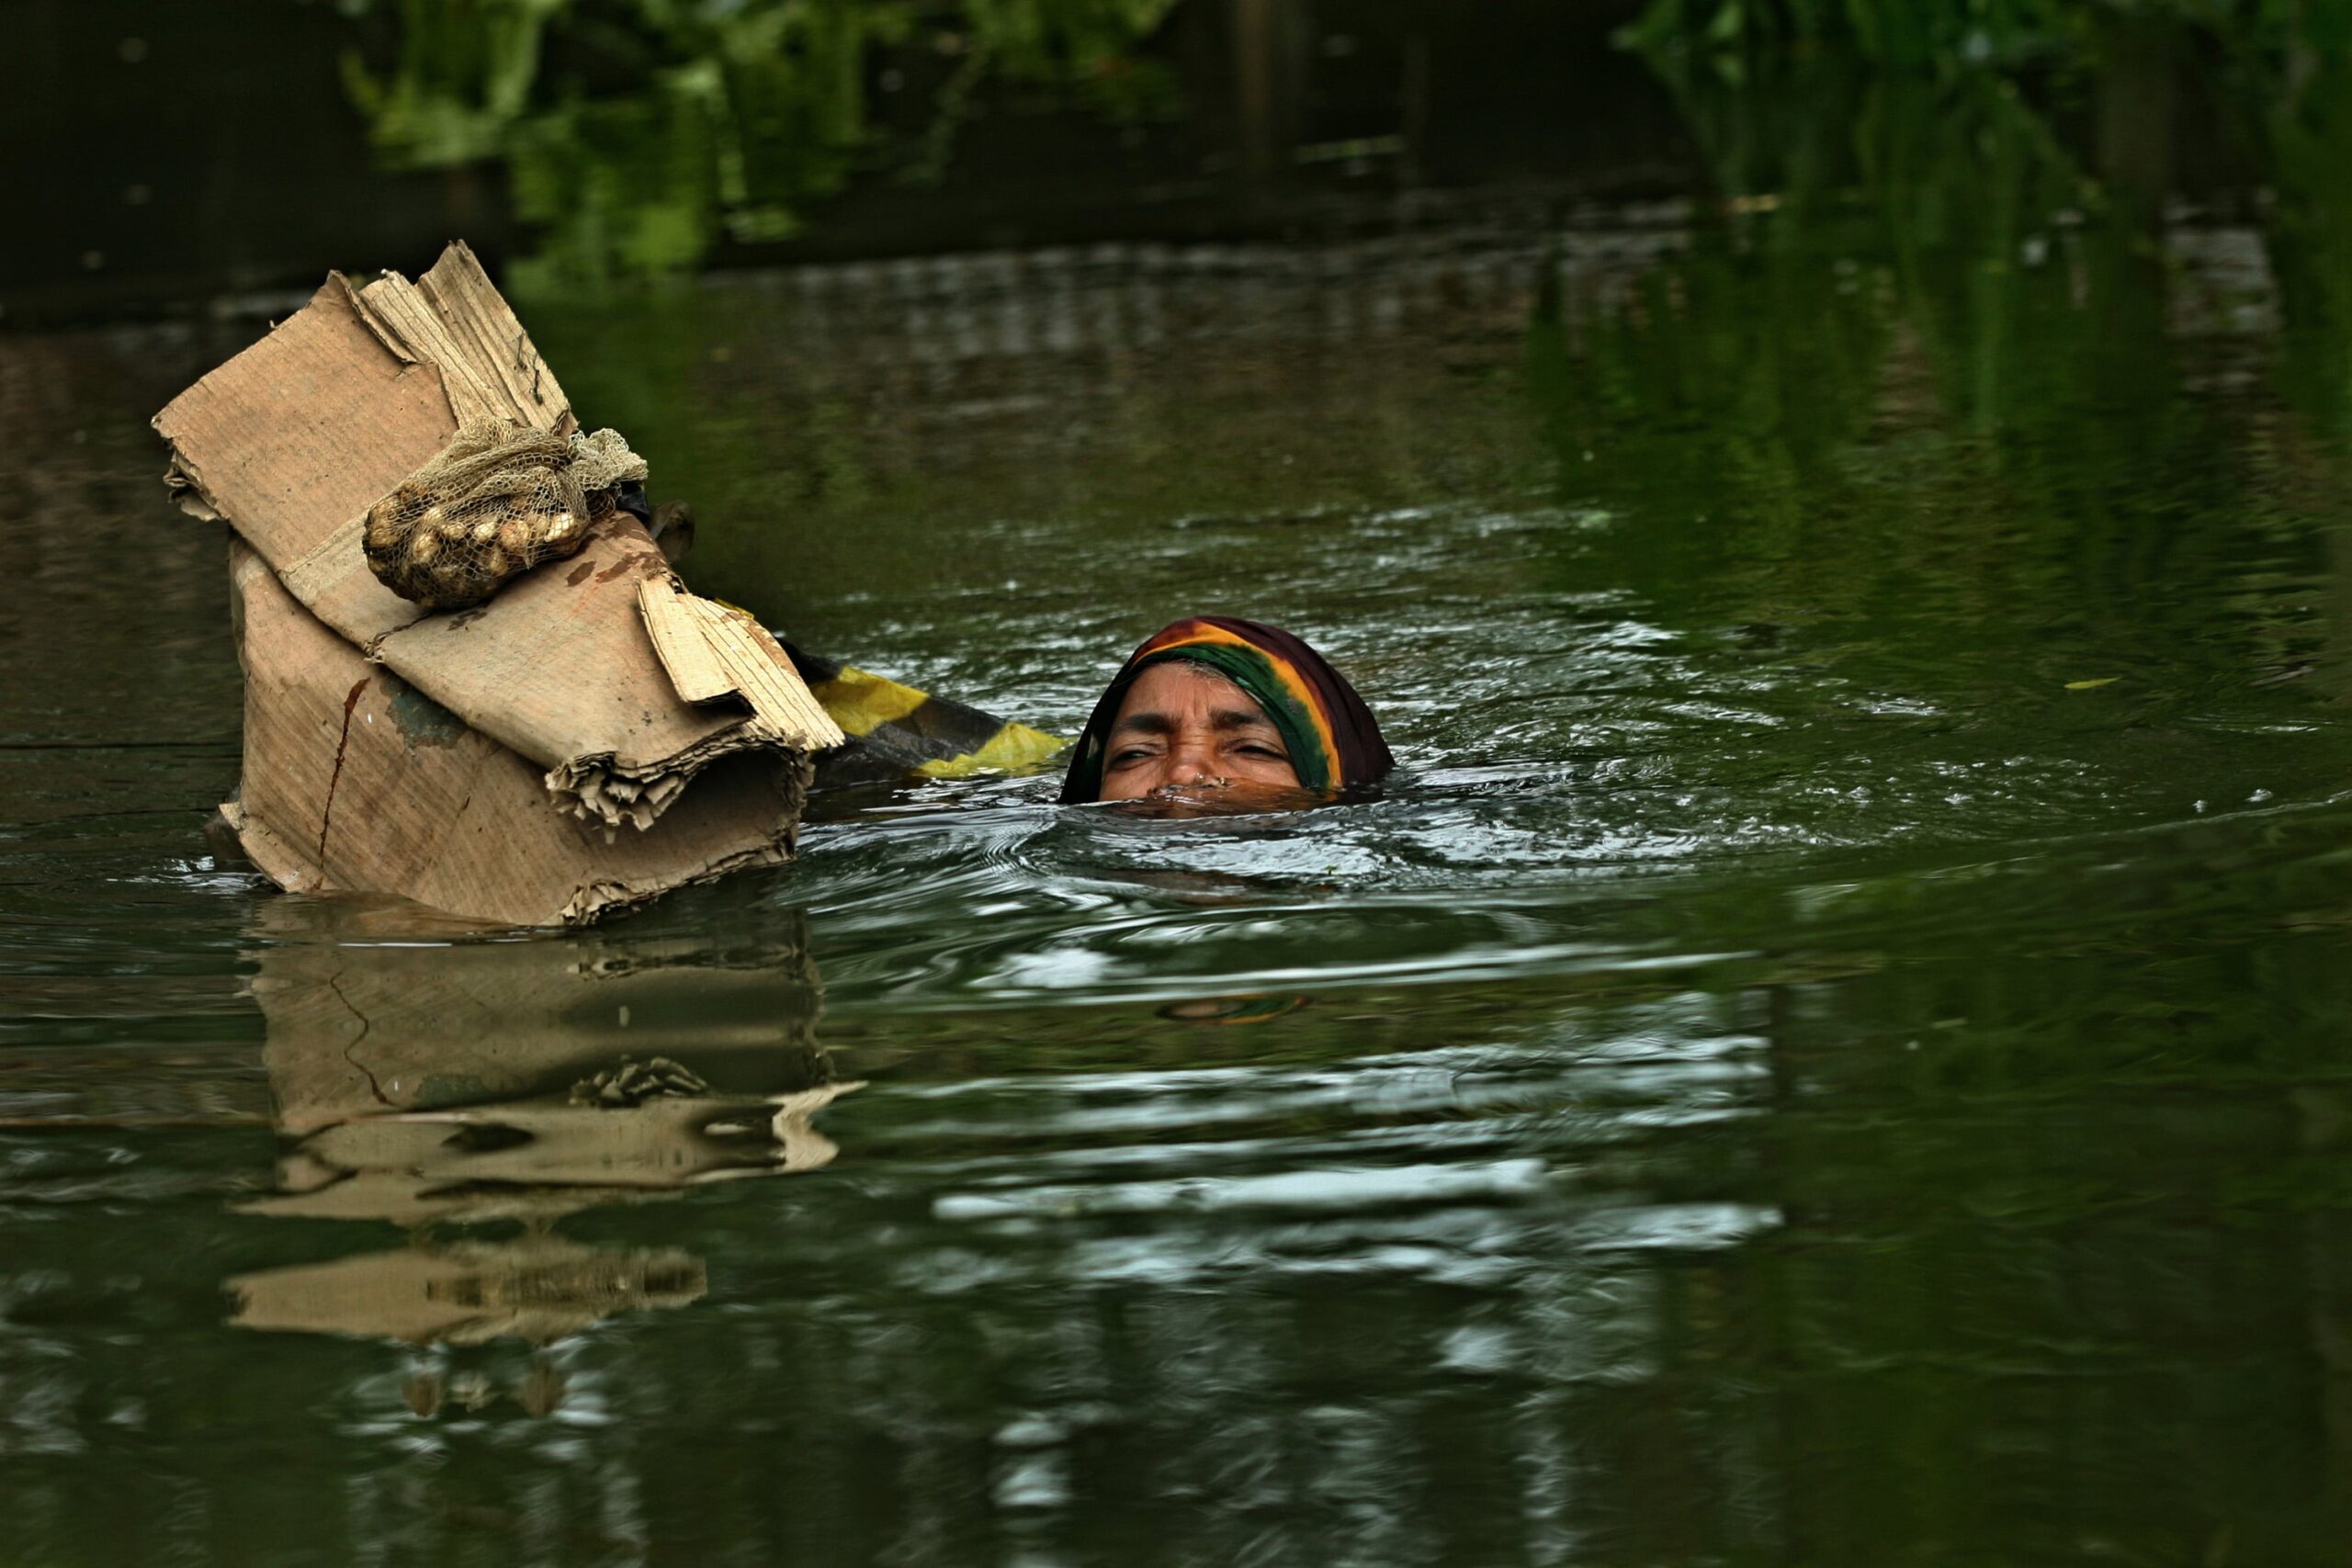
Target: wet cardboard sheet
point(357, 781)
point(530, 760)
point(294, 439)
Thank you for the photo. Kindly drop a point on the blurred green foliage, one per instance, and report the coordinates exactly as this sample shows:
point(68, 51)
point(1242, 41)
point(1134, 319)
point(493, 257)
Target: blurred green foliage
point(1947, 35)
point(640, 133)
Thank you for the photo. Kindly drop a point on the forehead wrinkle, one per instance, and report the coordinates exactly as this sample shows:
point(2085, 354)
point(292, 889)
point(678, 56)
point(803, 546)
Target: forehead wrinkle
point(1151, 722)
point(1237, 718)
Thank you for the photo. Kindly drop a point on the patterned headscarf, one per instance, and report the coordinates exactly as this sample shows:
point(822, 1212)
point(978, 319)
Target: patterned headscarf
point(1332, 739)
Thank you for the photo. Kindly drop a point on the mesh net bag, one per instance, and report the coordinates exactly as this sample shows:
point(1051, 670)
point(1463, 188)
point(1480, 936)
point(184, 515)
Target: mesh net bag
point(499, 500)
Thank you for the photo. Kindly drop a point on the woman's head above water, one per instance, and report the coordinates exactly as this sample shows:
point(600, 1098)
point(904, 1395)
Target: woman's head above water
point(1226, 711)
point(1183, 726)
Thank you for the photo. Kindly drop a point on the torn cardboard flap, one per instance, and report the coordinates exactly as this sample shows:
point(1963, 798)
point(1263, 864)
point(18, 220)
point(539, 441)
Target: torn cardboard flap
point(692, 664)
point(455, 318)
point(295, 438)
point(763, 676)
point(714, 653)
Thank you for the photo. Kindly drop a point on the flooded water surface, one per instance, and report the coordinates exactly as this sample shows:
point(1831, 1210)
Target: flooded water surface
point(1831, 1049)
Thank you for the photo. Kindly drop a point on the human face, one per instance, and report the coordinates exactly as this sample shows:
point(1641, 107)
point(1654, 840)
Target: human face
point(1184, 731)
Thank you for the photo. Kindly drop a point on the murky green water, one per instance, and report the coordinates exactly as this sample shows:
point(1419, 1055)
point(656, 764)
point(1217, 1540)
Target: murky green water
point(1832, 1050)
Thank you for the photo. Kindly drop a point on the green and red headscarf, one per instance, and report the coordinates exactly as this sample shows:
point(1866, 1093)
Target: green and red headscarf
point(1332, 739)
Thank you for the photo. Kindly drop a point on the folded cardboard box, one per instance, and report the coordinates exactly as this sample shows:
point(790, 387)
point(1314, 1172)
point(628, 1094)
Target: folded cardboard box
point(591, 737)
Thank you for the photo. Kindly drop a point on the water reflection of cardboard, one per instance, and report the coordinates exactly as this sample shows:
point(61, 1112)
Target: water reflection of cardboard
point(537, 1288)
point(431, 1083)
point(373, 1008)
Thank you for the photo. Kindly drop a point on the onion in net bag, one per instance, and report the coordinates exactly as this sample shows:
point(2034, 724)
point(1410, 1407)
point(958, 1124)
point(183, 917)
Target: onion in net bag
point(499, 500)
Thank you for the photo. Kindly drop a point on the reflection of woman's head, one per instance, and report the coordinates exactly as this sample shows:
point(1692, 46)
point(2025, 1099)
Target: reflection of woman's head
point(1227, 710)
